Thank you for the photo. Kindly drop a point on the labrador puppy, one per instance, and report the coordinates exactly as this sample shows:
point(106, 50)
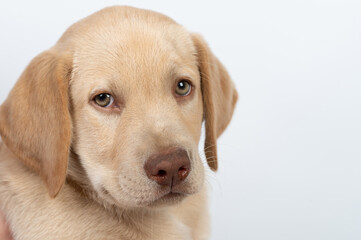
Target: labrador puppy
point(100, 133)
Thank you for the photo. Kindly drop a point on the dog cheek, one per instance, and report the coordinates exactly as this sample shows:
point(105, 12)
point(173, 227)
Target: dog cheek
point(198, 174)
point(96, 176)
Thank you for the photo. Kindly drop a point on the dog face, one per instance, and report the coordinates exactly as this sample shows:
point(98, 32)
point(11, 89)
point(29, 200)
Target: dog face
point(139, 73)
point(127, 90)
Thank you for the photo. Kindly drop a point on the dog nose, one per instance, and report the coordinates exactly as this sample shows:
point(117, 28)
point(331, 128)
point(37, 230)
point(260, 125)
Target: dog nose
point(168, 168)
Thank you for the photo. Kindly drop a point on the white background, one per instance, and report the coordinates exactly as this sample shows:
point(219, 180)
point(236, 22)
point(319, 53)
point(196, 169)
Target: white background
point(290, 162)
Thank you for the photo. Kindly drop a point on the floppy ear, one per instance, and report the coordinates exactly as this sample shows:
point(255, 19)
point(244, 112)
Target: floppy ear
point(219, 98)
point(35, 120)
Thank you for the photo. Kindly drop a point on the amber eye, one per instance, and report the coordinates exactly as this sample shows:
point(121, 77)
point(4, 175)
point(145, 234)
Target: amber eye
point(183, 88)
point(104, 100)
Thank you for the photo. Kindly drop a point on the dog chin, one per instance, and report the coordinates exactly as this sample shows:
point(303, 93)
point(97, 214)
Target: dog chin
point(169, 197)
point(167, 200)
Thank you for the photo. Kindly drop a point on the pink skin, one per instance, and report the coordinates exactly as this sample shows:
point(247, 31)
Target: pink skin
point(4, 229)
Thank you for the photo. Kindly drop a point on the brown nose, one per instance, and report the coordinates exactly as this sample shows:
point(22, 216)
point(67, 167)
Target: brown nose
point(169, 167)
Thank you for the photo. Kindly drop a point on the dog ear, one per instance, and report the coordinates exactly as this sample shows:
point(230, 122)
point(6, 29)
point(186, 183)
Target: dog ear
point(35, 122)
point(219, 98)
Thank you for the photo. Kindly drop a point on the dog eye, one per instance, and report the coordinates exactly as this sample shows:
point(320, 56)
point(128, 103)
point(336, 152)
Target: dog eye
point(104, 100)
point(183, 88)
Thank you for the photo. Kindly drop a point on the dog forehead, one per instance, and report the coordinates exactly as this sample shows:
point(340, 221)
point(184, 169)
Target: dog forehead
point(146, 54)
point(133, 49)
point(126, 48)
point(118, 30)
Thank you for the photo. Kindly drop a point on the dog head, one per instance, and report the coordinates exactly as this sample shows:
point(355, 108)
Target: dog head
point(127, 90)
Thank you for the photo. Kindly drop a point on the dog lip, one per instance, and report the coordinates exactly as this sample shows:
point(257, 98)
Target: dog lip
point(168, 197)
point(171, 196)
point(180, 189)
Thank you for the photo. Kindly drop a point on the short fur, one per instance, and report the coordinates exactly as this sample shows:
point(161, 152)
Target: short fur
point(91, 159)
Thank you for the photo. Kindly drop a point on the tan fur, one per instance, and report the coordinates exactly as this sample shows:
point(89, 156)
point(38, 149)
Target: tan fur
point(219, 96)
point(91, 159)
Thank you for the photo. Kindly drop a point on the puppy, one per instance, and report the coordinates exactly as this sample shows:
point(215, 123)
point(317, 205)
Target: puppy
point(100, 133)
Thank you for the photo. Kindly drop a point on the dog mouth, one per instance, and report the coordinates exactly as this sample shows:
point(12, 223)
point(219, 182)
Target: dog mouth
point(169, 198)
point(165, 198)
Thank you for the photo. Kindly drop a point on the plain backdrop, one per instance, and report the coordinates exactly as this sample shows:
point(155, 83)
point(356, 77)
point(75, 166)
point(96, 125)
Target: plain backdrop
point(290, 161)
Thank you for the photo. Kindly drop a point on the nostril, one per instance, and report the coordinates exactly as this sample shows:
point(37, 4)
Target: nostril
point(183, 173)
point(161, 173)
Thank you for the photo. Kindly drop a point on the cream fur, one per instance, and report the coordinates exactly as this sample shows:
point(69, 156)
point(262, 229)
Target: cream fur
point(137, 56)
